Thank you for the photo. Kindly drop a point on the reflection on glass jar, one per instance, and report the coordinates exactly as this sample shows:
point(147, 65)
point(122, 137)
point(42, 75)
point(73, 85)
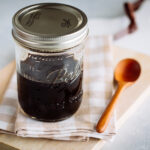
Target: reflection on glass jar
point(49, 63)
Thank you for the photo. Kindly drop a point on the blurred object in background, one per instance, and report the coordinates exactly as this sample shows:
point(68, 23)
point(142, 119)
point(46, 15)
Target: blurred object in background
point(130, 9)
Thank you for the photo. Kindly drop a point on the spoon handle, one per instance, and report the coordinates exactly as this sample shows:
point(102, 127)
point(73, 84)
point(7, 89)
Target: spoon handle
point(105, 118)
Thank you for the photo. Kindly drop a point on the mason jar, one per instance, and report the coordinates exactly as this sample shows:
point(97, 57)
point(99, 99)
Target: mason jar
point(49, 43)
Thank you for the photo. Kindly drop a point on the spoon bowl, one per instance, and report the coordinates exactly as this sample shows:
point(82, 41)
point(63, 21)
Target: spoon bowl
point(126, 73)
point(127, 70)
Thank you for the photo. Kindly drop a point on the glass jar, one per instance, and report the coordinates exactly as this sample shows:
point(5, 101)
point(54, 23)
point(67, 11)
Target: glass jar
point(49, 42)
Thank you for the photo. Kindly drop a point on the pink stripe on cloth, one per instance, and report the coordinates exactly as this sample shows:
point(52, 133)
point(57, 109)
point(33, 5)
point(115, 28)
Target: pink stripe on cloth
point(97, 85)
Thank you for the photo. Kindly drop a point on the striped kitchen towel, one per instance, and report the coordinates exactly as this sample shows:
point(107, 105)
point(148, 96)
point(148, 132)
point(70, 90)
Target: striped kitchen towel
point(97, 86)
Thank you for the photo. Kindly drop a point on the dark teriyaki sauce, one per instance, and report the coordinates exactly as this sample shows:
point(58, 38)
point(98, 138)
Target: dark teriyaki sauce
point(50, 87)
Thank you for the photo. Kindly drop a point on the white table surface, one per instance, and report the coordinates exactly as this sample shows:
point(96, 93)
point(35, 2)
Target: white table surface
point(135, 133)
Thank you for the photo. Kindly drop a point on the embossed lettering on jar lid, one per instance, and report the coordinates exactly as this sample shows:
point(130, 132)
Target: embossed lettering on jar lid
point(50, 27)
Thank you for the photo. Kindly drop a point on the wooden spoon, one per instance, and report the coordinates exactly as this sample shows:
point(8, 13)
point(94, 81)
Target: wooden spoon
point(126, 73)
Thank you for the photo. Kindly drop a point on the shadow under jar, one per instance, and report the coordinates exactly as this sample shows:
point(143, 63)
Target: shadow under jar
point(49, 42)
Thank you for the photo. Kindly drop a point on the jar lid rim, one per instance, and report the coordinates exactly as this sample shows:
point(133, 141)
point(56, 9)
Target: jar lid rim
point(43, 26)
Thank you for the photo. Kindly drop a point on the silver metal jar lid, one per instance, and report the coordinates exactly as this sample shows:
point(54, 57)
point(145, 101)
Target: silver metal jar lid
point(50, 27)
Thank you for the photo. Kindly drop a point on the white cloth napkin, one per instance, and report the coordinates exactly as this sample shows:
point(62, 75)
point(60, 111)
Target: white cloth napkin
point(97, 86)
